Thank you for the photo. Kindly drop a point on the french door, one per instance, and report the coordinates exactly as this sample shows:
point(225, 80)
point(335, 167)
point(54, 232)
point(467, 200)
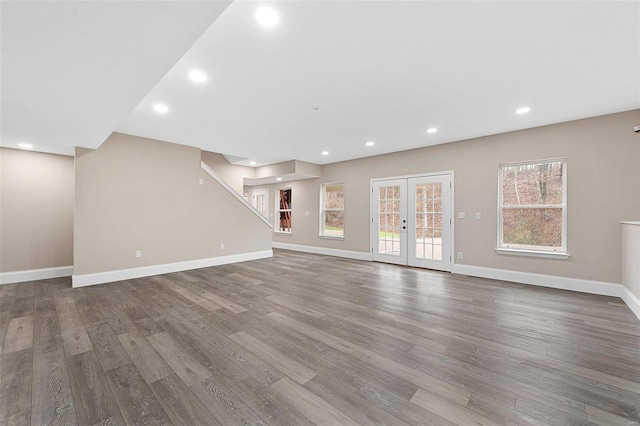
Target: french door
point(411, 221)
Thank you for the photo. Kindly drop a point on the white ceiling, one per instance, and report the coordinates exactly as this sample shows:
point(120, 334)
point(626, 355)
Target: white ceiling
point(73, 70)
point(380, 70)
point(387, 70)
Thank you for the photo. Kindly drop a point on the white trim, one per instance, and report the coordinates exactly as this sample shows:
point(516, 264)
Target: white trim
point(255, 193)
point(500, 237)
point(167, 268)
point(35, 274)
point(357, 255)
point(629, 222)
point(444, 172)
point(323, 194)
point(374, 224)
point(278, 210)
point(533, 206)
point(447, 228)
point(631, 300)
point(533, 253)
point(562, 283)
point(551, 281)
point(453, 220)
point(373, 231)
point(232, 191)
point(331, 237)
point(534, 162)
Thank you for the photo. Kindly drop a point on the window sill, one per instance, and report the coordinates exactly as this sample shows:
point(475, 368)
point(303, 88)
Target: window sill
point(533, 253)
point(330, 237)
point(282, 233)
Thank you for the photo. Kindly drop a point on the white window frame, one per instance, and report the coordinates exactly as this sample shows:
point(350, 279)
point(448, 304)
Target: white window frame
point(321, 230)
point(276, 219)
point(500, 248)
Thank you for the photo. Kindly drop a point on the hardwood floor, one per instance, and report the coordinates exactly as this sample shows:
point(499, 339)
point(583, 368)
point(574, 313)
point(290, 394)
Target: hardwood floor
point(302, 339)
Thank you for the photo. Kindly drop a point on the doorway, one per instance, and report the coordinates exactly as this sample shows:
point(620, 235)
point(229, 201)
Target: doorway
point(411, 221)
point(260, 200)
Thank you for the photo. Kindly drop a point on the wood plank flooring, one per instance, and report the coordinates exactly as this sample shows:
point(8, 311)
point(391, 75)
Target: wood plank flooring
point(303, 339)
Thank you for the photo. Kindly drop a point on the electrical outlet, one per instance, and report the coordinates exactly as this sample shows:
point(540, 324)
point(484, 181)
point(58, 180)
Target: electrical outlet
point(306, 214)
point(222, 246)
point(462, 215)
point(138, 253)
point(460, 255)
point(478, 216)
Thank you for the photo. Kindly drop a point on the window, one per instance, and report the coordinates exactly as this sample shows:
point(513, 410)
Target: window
point(332, 210)
point(532, 216)
point(283, 210)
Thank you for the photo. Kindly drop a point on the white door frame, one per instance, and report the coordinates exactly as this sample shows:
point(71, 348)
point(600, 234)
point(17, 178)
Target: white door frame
point(442, 264)
point(400, 259)
point(372, 223)
point(254, 193)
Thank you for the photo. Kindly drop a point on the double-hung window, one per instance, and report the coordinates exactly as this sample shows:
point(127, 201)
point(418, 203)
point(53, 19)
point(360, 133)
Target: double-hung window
point(332, 210)
point(532, 213)
point(283, 210)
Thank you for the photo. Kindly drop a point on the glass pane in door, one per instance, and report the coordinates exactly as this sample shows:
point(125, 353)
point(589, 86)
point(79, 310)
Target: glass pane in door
point(261, 201)
point(428, 224)
point(260, 204)
point(389, 220)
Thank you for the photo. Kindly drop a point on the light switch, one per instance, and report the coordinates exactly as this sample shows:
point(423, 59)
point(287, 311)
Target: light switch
point(478, 216)
point(201, 181)
point(462, 215)
point(306, 214)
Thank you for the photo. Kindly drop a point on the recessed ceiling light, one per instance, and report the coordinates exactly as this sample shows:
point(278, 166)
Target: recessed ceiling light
point(523, 110)
point(161, 108)
point(278, 179)
point(267, 17)
point(25, 145)
point(197, 76)
point(252, 163)
point(370, 143)
point(325, 152)
point(432, 130)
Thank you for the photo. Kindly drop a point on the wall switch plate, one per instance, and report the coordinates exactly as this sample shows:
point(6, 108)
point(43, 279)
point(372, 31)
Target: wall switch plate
point(138, 253)
point(460, 255)
point(306, 214)
point(478, 216)
point(221, 246)
point(201, 181)
point(462, 215)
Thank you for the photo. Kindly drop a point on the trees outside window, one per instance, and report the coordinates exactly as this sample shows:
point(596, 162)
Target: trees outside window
point(532, 211)
point(332, 210)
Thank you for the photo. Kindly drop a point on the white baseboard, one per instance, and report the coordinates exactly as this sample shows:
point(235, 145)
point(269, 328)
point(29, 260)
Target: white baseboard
point(167, 268)
point(35, 274)
point(563, 283)
point(357, 255)
point(632, 301)
point(551, 281)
